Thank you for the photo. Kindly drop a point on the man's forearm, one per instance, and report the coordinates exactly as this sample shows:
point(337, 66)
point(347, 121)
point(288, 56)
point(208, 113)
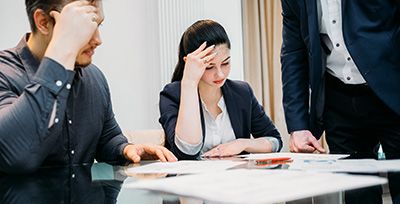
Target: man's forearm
point(24, 121)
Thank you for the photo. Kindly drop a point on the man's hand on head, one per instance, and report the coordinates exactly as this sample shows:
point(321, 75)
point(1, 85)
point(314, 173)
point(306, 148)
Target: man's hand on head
point(74, 27)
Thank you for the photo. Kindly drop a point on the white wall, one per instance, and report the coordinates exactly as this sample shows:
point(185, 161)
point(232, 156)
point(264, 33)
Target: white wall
point(13, 23)
point(229, 14)
point(131, 53)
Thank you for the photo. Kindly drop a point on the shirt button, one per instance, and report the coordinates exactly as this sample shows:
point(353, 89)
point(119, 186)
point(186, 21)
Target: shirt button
point(56, 120)
point(348, 78)
point(349, 58)
point(68, 86)
point(73, 175)
point(334, 21)
point(72, 152)
point(59, 83)
point(337, 44)
point(70, 122)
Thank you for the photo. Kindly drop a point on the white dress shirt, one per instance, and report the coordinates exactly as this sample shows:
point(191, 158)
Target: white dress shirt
point(339, 62)
point(218, 131)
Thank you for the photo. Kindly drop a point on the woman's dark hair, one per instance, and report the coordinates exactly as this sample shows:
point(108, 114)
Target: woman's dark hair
point(202, 31)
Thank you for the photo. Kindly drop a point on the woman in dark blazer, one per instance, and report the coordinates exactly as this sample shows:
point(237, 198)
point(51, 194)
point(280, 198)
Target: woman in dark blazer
point(205, 113)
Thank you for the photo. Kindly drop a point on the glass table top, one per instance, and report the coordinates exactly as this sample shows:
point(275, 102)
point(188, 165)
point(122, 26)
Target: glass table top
point(95, 183)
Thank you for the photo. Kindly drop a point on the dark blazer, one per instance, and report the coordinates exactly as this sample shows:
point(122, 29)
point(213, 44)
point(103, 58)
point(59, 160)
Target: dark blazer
point(371, 30)
point(246, 114)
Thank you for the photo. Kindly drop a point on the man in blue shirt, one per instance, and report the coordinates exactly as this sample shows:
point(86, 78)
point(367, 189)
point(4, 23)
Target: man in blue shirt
point(55, 106)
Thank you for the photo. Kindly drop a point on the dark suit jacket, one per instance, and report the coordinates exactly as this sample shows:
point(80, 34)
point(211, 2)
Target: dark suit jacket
point(246, 114)
point(371, 30)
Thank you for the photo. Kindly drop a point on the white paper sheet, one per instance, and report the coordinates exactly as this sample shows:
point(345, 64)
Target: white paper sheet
point(295, 156)
point(185, 167)
point(257, 186)
point(348, 165)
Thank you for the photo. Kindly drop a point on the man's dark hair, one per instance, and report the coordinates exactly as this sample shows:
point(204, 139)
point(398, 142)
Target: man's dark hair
point(46, 6)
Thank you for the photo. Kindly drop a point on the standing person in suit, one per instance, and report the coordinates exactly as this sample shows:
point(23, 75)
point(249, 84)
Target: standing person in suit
point(55, 105)
point(205, 113)
point(341, 74)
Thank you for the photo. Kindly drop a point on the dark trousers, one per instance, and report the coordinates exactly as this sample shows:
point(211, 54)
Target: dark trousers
point(356, 122)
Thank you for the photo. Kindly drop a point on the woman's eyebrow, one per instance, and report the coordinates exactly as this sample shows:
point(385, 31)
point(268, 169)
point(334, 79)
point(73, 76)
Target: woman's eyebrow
point(227, 59)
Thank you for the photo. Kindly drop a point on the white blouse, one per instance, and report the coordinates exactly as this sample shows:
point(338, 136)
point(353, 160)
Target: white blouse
point(218, 131)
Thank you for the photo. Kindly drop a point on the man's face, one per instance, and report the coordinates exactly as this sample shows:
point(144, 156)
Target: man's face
point(84, 57)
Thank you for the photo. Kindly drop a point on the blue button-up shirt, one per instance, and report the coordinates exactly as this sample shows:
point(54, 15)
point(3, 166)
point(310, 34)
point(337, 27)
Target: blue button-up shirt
point(82, 126)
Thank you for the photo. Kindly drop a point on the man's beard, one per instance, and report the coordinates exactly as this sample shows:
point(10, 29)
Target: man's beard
point(82, 65)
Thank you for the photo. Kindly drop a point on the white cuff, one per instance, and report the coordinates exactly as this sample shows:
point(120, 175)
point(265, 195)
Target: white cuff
point(187, 148)
point(274, 143)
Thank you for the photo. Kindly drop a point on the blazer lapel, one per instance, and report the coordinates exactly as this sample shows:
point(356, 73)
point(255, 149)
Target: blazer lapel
point(315, 39)
point(317, 55)
point(343, 8)
point(233, 111)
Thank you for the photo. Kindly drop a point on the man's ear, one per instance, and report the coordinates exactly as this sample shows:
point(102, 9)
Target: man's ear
point(43, 22)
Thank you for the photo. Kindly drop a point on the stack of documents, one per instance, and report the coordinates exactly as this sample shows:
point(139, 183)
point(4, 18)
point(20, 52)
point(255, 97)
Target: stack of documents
point(330, 162)
point(256, 186)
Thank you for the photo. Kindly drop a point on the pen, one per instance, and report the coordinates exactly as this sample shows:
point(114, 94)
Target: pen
point(276, 160)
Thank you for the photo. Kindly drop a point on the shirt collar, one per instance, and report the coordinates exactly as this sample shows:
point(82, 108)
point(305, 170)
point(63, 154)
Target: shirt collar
point(221, 104)
point(29, 61)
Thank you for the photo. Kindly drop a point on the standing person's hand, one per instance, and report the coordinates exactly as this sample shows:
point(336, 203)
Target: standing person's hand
point(304, 141)
point(196, 63)
point(138, 152)
point(74, 27)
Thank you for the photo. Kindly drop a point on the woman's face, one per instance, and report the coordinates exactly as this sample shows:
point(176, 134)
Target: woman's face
point(219, 68)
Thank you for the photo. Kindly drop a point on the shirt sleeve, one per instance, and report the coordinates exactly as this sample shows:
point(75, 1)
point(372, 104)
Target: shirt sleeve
point(25, 136)
point(186, 147)
point(169, 108)
point(295, 70)
point(274, 142)
point(261, 124)
point(112, 142)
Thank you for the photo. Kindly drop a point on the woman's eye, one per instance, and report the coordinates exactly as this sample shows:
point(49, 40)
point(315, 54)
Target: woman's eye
point(226, 63)
point(208, 68)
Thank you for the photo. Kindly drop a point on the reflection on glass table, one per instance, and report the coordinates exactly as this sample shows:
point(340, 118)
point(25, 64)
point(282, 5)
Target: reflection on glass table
point(72, 184)
point(104, 183)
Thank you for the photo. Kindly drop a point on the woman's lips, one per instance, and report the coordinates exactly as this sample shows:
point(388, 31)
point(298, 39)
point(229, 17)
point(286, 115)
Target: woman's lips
point(219, 81)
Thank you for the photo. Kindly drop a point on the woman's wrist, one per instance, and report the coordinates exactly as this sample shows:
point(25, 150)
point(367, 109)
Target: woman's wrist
point(244, 144)
point(189, 83)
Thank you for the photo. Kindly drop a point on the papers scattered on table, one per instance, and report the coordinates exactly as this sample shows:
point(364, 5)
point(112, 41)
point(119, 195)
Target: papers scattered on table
point(185, 167)
point(295, 156)
point(348, 165)
point(257, 186)
point(330, 162)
